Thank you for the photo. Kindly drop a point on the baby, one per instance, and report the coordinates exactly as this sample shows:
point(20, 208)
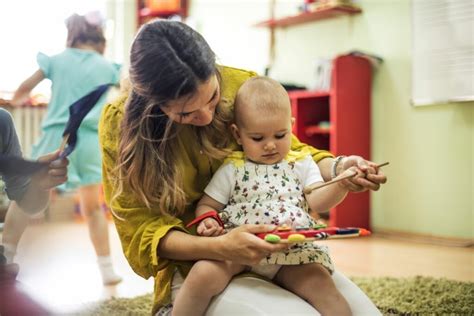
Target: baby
point(264, 185)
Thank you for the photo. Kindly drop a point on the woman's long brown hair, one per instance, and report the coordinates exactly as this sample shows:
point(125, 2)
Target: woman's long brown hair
point(169, 60)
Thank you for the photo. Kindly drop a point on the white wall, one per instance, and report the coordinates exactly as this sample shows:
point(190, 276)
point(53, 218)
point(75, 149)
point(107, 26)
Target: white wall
point(227, 25)
point(31, 26)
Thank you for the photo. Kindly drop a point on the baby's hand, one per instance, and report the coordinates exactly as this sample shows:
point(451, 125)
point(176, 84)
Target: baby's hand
point(209, 227)
point(54, 175)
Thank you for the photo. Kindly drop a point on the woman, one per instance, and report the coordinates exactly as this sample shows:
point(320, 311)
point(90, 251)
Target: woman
point(162, 143)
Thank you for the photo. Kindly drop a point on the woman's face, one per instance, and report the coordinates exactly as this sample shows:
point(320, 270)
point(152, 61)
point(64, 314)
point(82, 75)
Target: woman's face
point(197, 110)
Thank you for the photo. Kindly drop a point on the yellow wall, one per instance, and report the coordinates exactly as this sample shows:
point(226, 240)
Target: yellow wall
point(431, 149)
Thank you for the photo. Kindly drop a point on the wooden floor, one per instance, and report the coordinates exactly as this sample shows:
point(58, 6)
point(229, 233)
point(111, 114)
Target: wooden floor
point(58, 269)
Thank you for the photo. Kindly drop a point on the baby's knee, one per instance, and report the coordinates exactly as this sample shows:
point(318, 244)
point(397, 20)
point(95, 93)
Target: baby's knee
point(319, 270)
point(208, 276)
point(321, 276)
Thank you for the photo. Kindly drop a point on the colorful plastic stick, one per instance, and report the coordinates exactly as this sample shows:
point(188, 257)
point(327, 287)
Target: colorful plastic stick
point(283, 235)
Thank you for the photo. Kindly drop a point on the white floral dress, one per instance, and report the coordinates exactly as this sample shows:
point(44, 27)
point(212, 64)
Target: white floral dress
point(270, 194)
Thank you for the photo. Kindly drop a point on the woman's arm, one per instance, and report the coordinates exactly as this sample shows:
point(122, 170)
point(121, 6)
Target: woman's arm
point(23, 92)
point(372, 180)
point(325, 165)
point(240, 245)
point(322, 157)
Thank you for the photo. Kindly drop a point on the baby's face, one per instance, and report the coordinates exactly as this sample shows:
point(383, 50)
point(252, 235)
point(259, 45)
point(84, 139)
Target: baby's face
point(266, 139)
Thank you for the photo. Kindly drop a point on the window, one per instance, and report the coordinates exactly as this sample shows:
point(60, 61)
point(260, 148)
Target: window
point(28, 27)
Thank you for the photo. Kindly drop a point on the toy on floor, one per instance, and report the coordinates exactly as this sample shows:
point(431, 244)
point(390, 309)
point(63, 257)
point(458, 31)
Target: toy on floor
point(284, 234)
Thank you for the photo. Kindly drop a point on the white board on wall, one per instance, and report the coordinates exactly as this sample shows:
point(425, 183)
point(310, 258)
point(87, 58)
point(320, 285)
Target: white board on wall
point(443, 51)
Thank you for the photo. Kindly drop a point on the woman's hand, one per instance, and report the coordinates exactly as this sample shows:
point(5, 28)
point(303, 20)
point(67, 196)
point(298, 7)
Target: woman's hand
point(242, 246)
point(372, 180)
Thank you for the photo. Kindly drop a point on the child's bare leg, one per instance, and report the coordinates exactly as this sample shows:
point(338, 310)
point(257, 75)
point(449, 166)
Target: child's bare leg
point(98, 231)
point(96, 220)
point(206, 279)
point(313, 283)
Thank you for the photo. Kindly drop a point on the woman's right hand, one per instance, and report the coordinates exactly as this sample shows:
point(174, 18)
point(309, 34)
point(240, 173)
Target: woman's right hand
point(242, 246)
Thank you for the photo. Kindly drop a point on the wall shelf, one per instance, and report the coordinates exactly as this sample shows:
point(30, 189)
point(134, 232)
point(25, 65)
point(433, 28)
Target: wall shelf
point(313, 130)
point(308, 94)
point(323, 13)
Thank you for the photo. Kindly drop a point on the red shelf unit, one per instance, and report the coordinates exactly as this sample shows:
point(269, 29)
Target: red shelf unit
point(347, 109)
point(304, 17)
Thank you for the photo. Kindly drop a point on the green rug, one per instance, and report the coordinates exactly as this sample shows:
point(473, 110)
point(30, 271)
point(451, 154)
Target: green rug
point(393, 296)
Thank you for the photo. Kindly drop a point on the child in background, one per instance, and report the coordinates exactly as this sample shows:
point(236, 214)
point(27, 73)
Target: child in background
point(78, 70)
point(28, 194)
point(264, 185)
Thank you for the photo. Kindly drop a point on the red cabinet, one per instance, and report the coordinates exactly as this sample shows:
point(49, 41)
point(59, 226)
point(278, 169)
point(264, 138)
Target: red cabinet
point(339, 121)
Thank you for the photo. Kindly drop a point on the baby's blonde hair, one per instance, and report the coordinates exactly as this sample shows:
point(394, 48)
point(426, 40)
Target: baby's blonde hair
point(261, 94)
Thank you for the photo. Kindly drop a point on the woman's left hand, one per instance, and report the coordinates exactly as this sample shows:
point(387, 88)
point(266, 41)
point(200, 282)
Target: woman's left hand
point(372, 180)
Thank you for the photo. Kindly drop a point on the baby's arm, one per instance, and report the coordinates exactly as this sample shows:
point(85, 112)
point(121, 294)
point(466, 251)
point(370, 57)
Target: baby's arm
point(208, 226)
point(323, 199)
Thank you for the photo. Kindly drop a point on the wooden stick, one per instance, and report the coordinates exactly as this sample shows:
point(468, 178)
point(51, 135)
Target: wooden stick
point(63, 143)
point(382, 165)
point(316, 186)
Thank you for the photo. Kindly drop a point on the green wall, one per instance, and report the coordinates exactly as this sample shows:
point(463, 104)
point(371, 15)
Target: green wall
point(431, 149)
